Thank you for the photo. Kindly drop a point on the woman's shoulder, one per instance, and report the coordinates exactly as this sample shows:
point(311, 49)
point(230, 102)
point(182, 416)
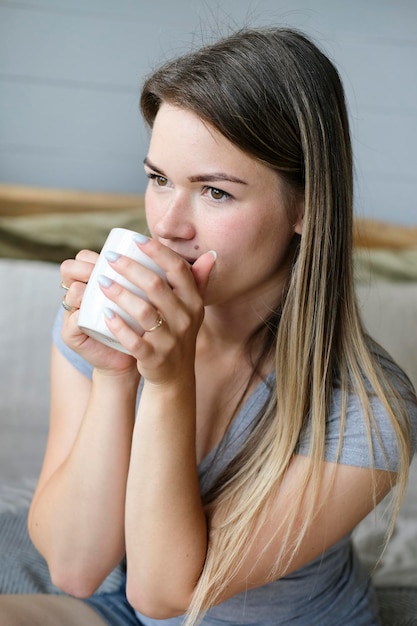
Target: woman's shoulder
point(355, 428)
point(404, 405)
point(402, 385)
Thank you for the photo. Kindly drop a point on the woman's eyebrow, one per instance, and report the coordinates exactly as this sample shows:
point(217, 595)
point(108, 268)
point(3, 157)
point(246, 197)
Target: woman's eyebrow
point(213, 177)
point(153, 167)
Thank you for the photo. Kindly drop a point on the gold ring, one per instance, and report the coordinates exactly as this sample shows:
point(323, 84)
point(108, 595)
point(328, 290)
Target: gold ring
point(157, 325)
point(67, 307)
point(64, 286)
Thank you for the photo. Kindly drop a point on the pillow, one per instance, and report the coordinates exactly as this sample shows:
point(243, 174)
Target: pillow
point(389, 312)
point(30, 297)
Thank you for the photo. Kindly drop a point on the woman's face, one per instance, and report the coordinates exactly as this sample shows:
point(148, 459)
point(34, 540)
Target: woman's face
point(206, 194)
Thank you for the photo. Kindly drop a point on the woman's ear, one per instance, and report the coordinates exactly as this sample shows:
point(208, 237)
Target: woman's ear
point(298, 226)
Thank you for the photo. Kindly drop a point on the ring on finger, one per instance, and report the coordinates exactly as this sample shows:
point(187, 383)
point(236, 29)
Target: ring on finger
point(157, 324)
point(68, 307)
point(64, 286)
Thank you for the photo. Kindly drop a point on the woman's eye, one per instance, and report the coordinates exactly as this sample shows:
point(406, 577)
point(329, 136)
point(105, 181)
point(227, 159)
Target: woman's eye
point(217, 194)
point(160, 181)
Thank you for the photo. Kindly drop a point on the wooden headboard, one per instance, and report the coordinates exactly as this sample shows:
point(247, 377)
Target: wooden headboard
point(21, 200)
point(384, 235)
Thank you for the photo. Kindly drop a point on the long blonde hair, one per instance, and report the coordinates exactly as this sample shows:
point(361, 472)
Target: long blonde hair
point(277, 97)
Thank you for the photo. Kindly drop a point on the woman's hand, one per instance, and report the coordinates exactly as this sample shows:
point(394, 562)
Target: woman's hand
point(75, 274)
point(165, 352)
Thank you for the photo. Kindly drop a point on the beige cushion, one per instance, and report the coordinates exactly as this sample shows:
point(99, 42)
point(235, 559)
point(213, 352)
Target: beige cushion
point(390, 315)
point(389, 312)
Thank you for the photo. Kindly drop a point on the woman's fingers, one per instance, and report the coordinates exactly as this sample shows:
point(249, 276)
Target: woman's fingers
point(202, 270)
point(141, 346)
point(182, 278)
point(166, 309)
point(137, 308)
point(88, 256)
point(181, 306)
point(176, 267)
point(75, 274)
point(78, 269)
point(170, 319)
point(73, 295)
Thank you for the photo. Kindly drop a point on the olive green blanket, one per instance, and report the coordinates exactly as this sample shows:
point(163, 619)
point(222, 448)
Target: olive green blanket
point(56, 236)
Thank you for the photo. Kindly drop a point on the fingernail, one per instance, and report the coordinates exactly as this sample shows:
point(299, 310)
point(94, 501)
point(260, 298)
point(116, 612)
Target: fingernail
point(139, 238)
point(213, 254)
point(104, 281)
point(112, 256)
point(108, 313)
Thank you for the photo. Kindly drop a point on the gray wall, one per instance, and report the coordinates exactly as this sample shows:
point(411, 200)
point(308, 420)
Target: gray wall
point(70, 72)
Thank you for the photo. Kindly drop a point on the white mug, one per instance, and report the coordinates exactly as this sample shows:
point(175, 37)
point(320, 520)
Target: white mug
point(91, 318)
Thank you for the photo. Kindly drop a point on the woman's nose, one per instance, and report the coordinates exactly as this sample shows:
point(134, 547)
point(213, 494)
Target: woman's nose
point(175, 222)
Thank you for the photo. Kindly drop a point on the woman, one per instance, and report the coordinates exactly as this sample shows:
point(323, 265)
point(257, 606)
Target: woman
point(230, 457)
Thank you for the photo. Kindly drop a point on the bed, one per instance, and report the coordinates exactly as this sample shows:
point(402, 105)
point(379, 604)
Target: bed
point(41, 227)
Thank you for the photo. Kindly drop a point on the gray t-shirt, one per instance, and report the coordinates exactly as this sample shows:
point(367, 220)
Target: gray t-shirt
point(334, 588)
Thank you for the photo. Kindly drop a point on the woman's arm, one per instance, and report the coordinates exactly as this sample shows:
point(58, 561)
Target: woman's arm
point(166, 527)
point(166, 530)
point(77, 515)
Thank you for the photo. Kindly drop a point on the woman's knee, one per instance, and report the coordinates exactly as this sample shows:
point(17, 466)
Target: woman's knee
point(46, 610)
